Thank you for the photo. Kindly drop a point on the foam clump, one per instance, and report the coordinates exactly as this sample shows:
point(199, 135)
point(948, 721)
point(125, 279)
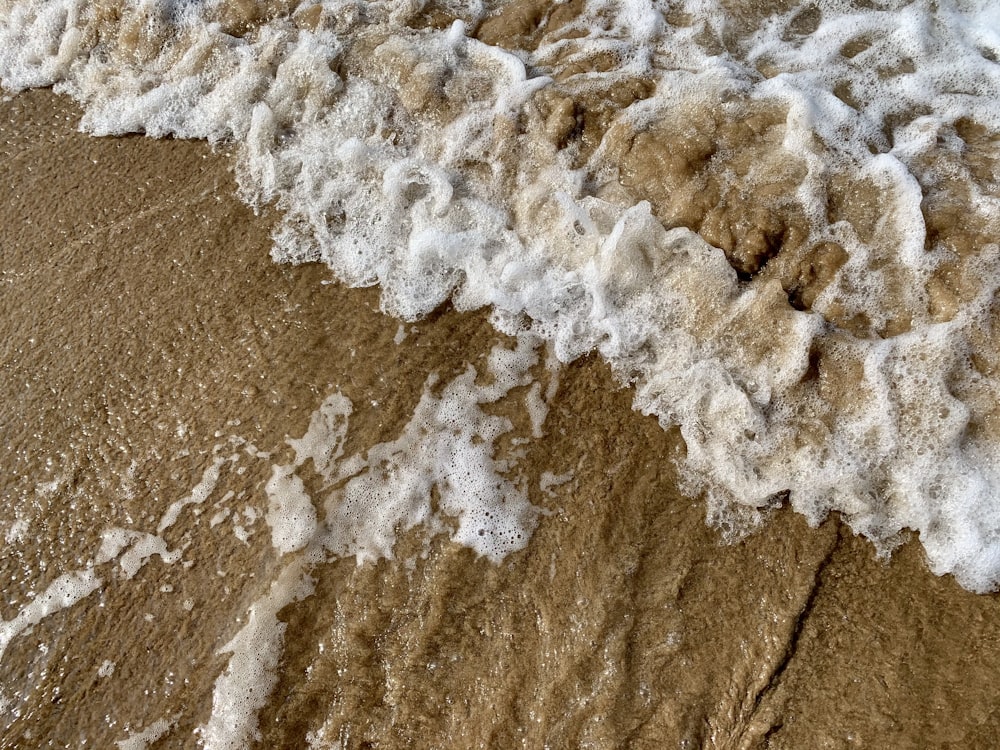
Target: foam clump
point(447, 450)
point(441, 473)
point(290, 512)
point(786, 286)
point(133, 549)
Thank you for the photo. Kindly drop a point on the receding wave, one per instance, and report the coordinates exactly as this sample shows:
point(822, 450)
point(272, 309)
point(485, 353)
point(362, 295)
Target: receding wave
point(778, 223)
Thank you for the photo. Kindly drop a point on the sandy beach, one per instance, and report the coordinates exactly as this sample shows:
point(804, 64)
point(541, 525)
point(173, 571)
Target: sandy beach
point(147, 337)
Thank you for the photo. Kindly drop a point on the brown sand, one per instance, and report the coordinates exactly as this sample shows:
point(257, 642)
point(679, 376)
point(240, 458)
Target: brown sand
point(138, 296)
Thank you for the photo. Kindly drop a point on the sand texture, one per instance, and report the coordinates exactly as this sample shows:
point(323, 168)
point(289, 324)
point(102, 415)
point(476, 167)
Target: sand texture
point(148, 337)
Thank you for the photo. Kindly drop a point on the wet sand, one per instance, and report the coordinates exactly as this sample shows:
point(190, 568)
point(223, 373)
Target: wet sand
point(144, 324)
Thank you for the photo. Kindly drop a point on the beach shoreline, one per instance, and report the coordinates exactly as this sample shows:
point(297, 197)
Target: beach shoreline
point(147, 334)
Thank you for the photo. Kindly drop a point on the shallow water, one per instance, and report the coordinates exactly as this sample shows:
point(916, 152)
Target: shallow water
point(169, 338)
point(778, 226)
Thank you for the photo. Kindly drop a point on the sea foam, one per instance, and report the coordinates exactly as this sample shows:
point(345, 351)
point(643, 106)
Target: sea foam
point(841, 361)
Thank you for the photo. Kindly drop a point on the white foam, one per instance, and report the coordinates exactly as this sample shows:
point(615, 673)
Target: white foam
point(138, 548)
point(149, 735)
point(323, 441)
point(198, 494)
point(250, 676)
point(548, 480)
point(16, 531)
point(290, 512)
point(446, 449)
point(63, 592)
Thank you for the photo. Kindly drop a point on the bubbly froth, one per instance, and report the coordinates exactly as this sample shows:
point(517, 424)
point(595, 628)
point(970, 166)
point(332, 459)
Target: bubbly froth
point(778, 224)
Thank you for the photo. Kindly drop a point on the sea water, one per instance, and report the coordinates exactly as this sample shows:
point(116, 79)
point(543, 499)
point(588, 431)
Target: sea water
point(779, 225)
